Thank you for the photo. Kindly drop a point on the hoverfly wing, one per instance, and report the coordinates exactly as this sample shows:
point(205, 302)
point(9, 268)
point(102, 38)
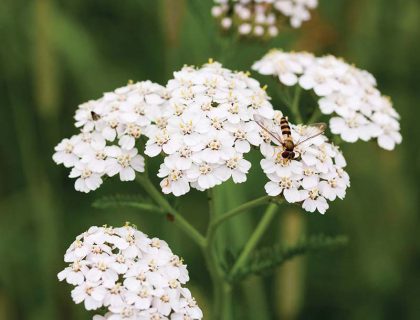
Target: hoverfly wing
point(269, 128)
point(313, 130)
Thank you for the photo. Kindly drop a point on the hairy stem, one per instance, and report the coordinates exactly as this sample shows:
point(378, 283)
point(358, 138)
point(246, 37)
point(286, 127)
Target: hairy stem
point(179, 220)
point(255, 238)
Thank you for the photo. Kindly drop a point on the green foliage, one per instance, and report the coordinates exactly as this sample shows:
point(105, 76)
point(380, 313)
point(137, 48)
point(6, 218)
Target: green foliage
point(126, 201)
point(266, 259)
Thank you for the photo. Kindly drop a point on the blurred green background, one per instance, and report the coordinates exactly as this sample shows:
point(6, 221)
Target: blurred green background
point(55, 55)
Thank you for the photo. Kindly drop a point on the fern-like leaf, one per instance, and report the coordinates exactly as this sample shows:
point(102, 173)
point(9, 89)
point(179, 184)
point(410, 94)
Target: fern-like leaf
point(266, 259)
point(126, 201)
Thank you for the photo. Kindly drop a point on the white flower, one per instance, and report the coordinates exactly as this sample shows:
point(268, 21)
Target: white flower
point(358, 110)
point(92, 294)
point(277, 165)
point(74, 274)
point(219, 146)
point(95, 154)
point(65, 152)
point(173, 171)
point(87, 179)
point(188, 307)
point(203, 176)
point(245, 135)
point(236, 167)
point(190, 127)
point(315, 202)
point(334, 185)
point(353, 128)
point(160, 141)
point(102, 268)
point(124, 162)
point(289, 186)
point(131, 275)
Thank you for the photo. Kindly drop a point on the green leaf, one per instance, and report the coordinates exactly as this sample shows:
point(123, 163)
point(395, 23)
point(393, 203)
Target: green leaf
point(268, 258)
point(126, 201)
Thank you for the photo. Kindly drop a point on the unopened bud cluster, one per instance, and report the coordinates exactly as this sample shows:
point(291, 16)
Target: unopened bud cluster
point(261, 18)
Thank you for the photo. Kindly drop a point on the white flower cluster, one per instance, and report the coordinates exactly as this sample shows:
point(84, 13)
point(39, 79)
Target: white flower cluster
point(203, 124)
point(209, 128)
point(360, 111)
point(313, 177)
point(109, 128)
point(133, 276)
point(261, 18)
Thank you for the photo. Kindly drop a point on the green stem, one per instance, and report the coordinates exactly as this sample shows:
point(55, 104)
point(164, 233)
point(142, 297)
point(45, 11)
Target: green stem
point(337, 140)
point(227, 301)
point(103, 204)
point(179, 220)
point(315, 115)
point(212, 268)
point(295, 105)
point(244, 207)
point(255, 238)
point(284, 95)
point(216, 273)
point(216, 222)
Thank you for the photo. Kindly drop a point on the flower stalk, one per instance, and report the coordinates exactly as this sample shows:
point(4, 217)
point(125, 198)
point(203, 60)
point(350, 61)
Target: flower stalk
point(240, 209)
point(179, 220)
point(255, 238)
point(221, 288)
point(294, 108)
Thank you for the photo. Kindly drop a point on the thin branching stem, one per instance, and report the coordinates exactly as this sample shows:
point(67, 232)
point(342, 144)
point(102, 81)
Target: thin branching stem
point(284, 95)
point(316, 114)
point(179, 220)
point(115, 202)
point(255, 238)
point(295, 104)
point(240, 209)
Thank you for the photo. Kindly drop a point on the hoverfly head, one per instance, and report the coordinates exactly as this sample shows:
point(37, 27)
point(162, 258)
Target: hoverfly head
point(286, 154)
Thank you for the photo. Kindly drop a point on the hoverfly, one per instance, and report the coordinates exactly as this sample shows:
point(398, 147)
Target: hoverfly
point(285, 139)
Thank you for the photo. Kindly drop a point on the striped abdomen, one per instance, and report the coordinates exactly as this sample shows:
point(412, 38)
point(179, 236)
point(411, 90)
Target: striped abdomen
point(286, 134)
point(285, 128)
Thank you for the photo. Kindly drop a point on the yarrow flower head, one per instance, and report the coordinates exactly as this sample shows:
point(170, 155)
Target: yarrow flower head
point(203, 123)
point(131, 275)
point(209, 128)
point(314, 176)
point(109, 129)
point(349, 94)
point(261, 18)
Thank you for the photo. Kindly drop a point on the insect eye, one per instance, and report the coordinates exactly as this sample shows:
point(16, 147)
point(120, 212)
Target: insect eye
point(285, 154)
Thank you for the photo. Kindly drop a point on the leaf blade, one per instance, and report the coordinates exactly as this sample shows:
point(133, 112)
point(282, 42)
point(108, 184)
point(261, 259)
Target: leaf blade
point(126, 201)
point(266, 259)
